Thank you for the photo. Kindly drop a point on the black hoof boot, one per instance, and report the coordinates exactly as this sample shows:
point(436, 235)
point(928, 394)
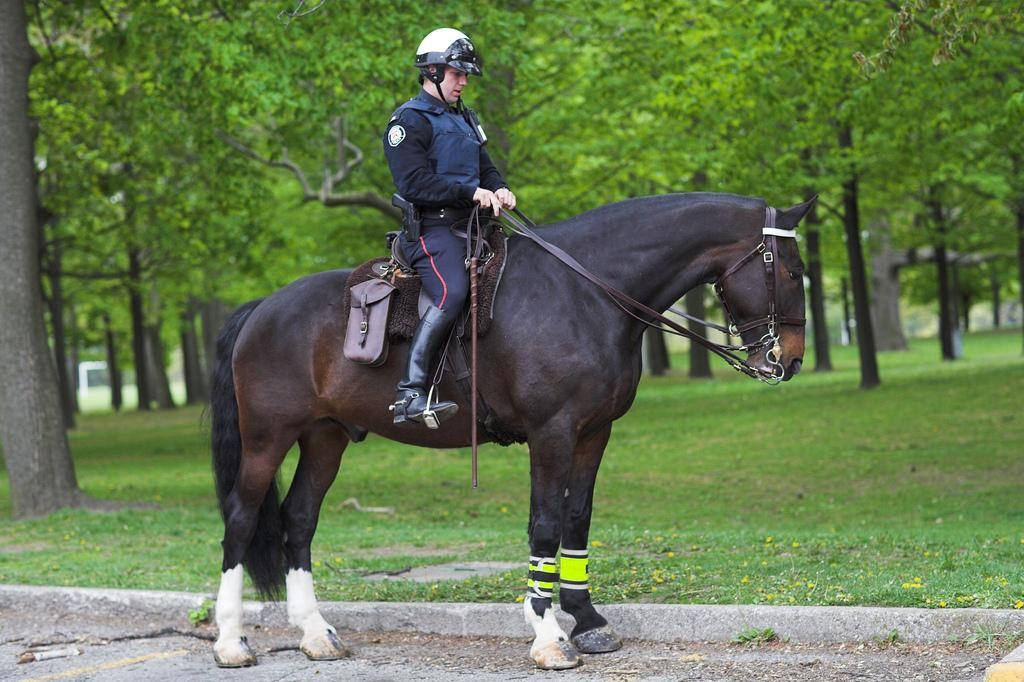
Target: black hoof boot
point(600, 640)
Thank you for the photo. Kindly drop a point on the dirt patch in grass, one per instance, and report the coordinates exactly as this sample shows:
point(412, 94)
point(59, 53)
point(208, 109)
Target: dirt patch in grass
point(414, 551)
point(26, 547)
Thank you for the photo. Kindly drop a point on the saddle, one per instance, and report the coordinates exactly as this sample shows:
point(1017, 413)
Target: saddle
point(384, 299)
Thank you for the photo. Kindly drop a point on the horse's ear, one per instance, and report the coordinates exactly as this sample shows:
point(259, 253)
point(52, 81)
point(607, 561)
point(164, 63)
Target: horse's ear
point(789, 218)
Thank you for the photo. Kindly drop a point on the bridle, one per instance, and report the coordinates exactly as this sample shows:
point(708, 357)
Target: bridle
point(766, 249)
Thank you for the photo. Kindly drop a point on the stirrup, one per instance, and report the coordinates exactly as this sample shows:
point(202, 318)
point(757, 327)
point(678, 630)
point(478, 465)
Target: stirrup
point(429, 417)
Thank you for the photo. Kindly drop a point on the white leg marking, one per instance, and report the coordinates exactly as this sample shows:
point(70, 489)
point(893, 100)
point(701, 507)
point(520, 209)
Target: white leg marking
point(302, 608)
point(230, 649)
point(319, 640)
point(551, 649)
point(546, 630)
point(229, 603)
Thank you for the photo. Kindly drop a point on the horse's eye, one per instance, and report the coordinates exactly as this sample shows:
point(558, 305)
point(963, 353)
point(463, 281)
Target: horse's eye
point(796, 274)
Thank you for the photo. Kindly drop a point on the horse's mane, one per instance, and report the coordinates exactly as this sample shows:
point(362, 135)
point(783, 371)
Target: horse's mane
point(629, 209)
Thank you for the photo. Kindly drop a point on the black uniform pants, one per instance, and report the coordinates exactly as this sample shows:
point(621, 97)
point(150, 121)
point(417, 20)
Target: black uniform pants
point(439, 258)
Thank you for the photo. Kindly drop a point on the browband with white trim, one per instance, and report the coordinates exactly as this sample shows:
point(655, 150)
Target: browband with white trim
point(778, 232)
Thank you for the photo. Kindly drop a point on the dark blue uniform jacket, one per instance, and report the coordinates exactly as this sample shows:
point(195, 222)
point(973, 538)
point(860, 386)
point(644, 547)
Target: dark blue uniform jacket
point(434, 155)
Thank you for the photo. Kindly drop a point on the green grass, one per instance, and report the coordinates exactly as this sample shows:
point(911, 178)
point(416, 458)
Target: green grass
point(812, 492)
point(756, 636)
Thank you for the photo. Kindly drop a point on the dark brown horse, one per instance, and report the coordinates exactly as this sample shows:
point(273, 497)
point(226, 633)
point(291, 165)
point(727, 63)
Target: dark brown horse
point(560, 363)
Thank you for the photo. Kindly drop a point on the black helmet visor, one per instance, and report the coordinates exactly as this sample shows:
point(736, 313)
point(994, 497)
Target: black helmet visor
point(461, 55)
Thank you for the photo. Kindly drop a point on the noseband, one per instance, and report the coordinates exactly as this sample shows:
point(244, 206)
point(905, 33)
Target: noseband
point(766, 249)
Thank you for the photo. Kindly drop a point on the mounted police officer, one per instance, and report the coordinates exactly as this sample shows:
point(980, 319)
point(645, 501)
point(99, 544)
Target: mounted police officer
point(435, 149)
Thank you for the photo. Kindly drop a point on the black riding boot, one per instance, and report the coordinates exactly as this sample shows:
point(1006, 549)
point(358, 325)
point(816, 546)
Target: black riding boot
point(411, 395)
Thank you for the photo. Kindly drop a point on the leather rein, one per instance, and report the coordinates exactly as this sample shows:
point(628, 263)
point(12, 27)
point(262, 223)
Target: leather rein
point(766, 249)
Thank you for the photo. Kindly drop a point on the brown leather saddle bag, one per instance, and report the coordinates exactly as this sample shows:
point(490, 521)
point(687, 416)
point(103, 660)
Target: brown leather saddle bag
point(366, 334)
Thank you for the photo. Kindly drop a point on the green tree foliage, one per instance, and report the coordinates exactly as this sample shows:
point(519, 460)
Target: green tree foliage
point(585, 103)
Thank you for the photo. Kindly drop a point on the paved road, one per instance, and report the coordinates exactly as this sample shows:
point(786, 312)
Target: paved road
point(121, 650)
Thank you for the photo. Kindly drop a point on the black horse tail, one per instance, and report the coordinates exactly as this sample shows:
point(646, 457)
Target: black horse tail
point(264, 557)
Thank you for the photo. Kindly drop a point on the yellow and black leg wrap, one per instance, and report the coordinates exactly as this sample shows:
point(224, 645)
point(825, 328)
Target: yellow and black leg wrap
point(541, 579)
point(592, 634)
point(573, 569)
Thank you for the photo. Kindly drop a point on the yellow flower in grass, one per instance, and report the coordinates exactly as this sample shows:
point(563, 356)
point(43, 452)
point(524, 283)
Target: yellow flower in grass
point(597, 543)
point(1019, 604)
point(745, 579)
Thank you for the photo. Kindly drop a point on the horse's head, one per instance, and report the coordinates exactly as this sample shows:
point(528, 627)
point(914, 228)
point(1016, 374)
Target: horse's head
point(764, 295)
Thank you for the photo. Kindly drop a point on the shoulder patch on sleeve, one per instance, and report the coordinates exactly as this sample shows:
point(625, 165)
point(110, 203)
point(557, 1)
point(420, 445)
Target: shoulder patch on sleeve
point(395, 135)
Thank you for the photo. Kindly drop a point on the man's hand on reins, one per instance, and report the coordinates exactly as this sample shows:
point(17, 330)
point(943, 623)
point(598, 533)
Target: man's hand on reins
point(487, 199)
point(505, 196)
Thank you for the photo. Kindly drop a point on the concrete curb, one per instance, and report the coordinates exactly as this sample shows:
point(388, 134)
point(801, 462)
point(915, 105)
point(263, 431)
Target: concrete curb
point(653, 622)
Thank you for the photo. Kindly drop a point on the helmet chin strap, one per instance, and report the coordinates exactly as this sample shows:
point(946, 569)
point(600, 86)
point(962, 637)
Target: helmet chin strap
point(440, 96)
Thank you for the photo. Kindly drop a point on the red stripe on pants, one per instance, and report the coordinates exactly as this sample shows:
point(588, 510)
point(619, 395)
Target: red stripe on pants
point(444, 285)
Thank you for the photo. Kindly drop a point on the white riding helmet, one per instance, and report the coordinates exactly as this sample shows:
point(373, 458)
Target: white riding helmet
point(447, 47)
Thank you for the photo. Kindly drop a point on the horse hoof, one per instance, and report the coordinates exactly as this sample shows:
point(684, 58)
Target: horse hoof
point(556, 656)
point(325, 647)
point(233, 654)
point(597, 641)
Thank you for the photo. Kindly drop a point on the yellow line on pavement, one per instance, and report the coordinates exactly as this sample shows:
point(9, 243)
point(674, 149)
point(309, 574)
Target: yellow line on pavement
point(110, 665)
point(1011, 671)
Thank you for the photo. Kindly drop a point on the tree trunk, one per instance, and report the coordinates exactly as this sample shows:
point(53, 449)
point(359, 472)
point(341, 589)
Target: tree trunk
point(113, 371)
point(1020, 260)
point(822, 357)
point(946, 320)
point(75, 357)
point(961, 304)
point(35, 446)
point(869, 377)
point(656, 359)
point(195, 387)
point(138, 328)
point(1017, 206)
point(700, 362)
point(845, 293)
point(885, 301)
point(945, 316)
point(158, 382)
point(55, 302)
point(213, 314)
point(993, 280)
